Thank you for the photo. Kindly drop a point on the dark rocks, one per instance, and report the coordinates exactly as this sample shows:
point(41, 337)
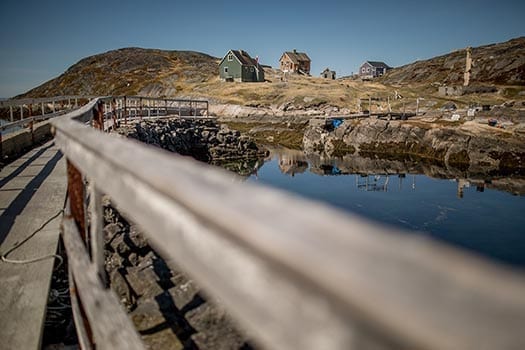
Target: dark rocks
point(214, 329)
point(463, 146)
point(165, 306)
point(204, 140)
point(449, 106)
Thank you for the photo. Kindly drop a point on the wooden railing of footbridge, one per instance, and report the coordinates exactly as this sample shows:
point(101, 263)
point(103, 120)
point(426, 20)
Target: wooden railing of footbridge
point(294, 273)
point(23, 114)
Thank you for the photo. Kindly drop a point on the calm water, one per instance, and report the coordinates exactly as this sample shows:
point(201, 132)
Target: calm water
point(482, 213)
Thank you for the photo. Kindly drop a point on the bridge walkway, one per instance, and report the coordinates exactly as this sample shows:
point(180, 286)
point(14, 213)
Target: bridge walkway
point(32, 194)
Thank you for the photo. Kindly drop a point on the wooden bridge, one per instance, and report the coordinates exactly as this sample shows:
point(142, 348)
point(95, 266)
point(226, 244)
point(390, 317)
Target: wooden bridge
point(295, 274)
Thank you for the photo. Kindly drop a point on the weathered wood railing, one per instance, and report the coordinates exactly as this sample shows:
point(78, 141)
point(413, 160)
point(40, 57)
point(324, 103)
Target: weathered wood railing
point(112, 110)
point(296, 274)
point(32, 111)
point(39, 108)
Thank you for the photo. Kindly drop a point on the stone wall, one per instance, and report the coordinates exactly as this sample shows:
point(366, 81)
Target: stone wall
point(202, 139)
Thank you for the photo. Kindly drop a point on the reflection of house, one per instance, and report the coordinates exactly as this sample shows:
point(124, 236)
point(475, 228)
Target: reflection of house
point(462, 183)
point(295, 62)
point(237, 65)
point(328, 74)
point(292, 163)
point(373, 69)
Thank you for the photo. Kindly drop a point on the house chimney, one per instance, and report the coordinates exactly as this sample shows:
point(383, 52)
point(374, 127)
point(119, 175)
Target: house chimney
point(294, 50)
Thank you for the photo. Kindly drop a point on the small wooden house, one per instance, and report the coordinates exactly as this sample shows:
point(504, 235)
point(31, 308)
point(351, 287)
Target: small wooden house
point(328, 74)
point(237, 65)
point(295, 62)
point(373, 69)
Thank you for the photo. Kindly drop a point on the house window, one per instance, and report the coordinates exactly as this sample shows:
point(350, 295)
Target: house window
point(251, 69)
point(363, 70)
point(225, 69)
point(230, 57)
point(368, 69)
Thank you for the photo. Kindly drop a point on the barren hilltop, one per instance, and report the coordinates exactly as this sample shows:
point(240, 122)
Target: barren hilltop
point(498, 64)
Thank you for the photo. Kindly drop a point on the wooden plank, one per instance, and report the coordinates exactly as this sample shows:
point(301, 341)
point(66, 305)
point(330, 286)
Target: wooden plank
point(110, 325)
point(296, 279)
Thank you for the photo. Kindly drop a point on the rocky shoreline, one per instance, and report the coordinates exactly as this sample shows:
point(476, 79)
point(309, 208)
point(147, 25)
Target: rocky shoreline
point(202, 139)
point(288, 111)
point(469, 146)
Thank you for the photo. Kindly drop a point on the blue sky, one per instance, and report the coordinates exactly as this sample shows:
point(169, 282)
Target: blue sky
point(41, 39)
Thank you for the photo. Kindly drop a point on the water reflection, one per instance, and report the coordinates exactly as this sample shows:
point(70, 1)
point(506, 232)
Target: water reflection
point(469, 209)
point(292, 162)
point(373, 174)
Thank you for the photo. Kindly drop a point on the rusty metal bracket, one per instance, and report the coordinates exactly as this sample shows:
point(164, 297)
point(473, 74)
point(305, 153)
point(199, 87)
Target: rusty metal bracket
point(114, 114)
point(76, 198)
point(98, 116)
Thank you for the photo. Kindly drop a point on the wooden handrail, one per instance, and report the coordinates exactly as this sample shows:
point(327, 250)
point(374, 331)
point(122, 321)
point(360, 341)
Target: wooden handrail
point(28, 101)
point(298, 274)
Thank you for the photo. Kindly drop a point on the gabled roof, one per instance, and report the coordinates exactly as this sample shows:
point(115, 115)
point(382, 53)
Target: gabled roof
point(378, 64)
point(297, 57)
point(243, 57)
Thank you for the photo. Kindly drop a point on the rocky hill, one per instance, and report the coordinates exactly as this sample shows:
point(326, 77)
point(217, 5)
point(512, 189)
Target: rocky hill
point(187, 74)
point(499, 64)
point(131, 71)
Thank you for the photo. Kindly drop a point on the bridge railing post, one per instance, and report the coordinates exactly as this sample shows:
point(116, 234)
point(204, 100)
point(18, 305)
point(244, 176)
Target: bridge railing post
point(125, 110)
point(32, 130)
point(113, 112)
point(140, 107)
point(97, 231)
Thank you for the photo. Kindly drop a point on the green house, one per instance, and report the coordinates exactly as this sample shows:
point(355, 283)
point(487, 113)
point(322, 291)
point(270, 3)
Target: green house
point(237, 65)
